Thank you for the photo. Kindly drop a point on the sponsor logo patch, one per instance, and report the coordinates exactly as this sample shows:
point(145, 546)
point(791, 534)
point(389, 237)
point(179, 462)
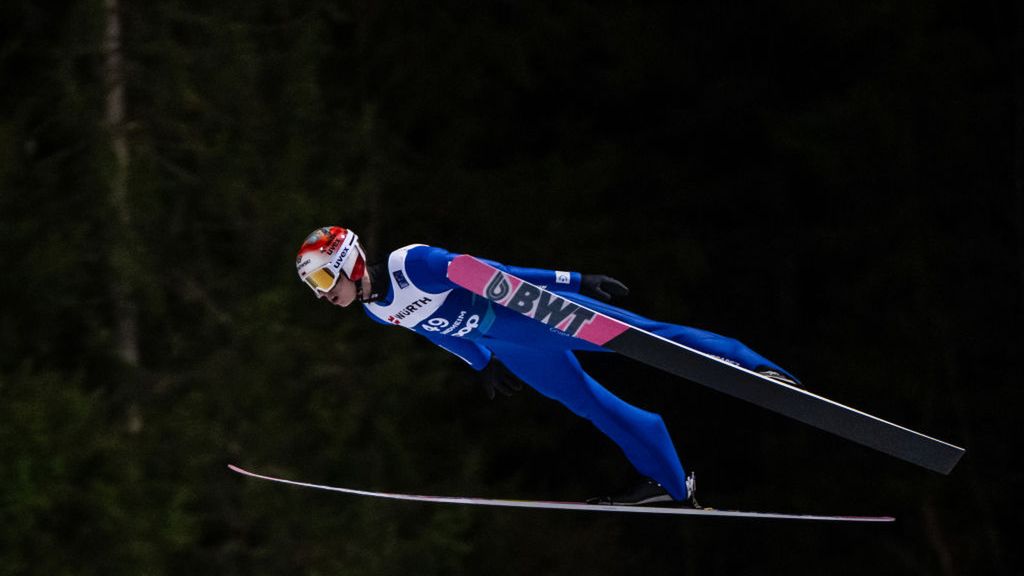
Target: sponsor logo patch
point(400, 280)
point(543, 306)
point(409, 311)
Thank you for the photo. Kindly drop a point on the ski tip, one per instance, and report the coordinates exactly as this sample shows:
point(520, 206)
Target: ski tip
point(238, 470)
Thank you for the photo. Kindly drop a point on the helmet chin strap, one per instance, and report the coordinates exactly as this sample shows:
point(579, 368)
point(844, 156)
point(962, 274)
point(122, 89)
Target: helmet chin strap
point(375, 273)
point(359, 292)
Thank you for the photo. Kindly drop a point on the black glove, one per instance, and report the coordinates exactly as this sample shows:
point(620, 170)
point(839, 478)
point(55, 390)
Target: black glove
point(496, 377)
point(602, 287)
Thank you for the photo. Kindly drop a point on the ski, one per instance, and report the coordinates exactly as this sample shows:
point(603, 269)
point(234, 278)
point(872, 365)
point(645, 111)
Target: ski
point(580, 507)
point(581, 322)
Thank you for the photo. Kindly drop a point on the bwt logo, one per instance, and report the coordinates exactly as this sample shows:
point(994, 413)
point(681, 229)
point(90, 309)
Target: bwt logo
point(538, 304)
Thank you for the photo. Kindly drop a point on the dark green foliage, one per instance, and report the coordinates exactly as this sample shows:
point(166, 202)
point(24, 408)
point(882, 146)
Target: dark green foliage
point(839, 187)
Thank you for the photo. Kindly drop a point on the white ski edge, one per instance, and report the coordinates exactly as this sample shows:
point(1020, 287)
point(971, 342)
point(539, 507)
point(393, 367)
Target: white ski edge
point(537, 504)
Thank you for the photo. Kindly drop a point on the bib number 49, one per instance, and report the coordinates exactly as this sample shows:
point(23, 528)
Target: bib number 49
point(445, 327)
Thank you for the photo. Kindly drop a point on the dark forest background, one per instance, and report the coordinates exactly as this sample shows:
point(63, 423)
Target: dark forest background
point(840, 186)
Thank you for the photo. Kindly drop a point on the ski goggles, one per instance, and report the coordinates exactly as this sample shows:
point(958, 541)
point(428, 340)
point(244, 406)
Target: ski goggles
point(321, 279)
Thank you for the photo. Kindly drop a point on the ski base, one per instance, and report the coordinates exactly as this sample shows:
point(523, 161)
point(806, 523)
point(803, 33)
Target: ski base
point(580, 507)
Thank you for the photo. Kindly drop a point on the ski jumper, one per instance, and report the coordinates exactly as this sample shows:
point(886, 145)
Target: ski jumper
point(421, 298)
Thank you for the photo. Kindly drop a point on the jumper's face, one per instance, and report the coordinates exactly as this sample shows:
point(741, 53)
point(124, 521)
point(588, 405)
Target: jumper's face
point(342, 294)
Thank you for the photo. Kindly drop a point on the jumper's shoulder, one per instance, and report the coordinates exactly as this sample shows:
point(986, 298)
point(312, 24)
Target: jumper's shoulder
point(420, 252)
point(427, 266)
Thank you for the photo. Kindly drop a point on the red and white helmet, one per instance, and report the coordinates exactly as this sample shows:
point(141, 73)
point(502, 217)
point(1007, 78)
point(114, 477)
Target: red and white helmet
point(327, 253)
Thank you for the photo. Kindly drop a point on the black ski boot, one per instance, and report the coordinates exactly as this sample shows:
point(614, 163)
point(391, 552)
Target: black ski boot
point(649, 492)
point(778, 376)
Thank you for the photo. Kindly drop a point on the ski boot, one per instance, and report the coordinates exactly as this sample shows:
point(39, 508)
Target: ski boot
point(649, 492)
point(778, 376)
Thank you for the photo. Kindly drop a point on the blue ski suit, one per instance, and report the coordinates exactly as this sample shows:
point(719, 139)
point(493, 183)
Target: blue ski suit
point(420, 297)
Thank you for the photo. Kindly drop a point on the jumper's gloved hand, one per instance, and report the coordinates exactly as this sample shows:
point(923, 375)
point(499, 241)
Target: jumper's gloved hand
point(496, 377)
point(602, 287)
